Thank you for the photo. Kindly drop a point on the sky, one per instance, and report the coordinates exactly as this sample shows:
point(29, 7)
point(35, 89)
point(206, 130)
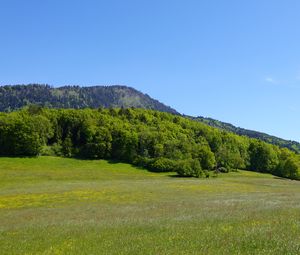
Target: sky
point(235, 61)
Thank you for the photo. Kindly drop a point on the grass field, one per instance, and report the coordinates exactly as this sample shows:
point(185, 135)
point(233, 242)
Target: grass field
point(53, 205)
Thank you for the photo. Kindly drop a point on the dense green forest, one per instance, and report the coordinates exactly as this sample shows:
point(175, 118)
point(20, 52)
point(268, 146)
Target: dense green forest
point(292, 145)
point(155, 140)
point(18, 96)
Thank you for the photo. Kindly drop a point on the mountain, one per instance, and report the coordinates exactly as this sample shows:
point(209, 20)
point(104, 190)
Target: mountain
point(17, 96)
point(292, 145)
point(13, 97)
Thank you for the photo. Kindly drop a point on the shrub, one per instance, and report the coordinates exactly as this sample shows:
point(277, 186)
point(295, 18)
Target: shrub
point(53, 150)
point(142, 161)
point(223, 169)
point(163, 165)
point(189, 168)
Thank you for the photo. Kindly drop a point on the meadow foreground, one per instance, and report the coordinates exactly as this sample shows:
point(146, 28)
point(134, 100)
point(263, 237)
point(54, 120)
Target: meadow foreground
point(51, 205)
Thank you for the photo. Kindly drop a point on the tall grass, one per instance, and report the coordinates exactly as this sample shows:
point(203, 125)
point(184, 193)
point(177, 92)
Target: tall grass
point(53, 205)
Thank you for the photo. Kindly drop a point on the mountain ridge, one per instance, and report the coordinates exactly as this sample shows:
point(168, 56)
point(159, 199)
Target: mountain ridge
point(14, 97)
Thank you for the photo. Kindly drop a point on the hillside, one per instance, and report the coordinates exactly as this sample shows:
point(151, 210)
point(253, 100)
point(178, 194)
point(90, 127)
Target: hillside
point(151, 139)
point(292, 145)
point(18, 96)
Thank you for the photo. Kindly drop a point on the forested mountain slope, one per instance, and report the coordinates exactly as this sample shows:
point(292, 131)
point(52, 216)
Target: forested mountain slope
point(292, 145)
point(17, 96)
point(155, 140)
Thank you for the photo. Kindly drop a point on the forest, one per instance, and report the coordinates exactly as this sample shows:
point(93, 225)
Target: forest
point(14, 97)
point(292, 145)
point(157, 141)
point(17, 96)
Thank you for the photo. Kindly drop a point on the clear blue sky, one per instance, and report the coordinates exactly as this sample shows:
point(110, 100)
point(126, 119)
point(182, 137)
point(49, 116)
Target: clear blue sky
point(236, 61)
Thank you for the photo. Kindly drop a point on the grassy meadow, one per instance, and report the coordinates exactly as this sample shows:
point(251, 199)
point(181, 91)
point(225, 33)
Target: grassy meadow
point(51, 205)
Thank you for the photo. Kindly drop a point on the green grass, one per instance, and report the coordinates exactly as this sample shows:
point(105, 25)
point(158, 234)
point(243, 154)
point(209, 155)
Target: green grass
point(53, 205)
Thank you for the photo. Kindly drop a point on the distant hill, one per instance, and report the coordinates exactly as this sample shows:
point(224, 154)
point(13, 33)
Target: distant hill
point(292, 145)
point(13, 97)
point(17, 96)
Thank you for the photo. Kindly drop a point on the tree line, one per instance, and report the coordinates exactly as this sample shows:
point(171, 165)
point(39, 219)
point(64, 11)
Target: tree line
point(154, 140)
point(292, 145)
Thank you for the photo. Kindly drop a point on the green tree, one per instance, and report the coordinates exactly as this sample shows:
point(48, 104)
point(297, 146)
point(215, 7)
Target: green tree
point(67, 147)
point(189, 168)
point(263, 158)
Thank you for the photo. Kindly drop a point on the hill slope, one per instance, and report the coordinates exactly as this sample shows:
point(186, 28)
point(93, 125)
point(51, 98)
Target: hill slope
point(155, 140)
point(292, 145)
point(17, 96)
